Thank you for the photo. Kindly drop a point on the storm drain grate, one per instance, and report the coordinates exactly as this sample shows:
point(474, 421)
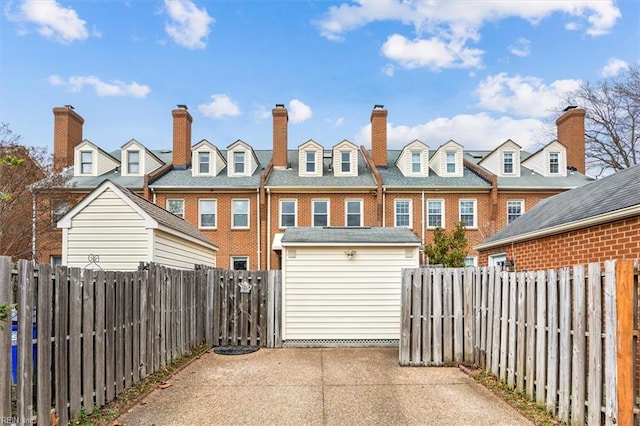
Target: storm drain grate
point(340, 343)
point(235, 350)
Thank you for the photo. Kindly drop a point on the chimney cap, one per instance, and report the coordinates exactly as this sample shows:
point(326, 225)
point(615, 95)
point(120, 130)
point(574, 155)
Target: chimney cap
point(378, 106)
point(182, 106)
point(570, 107)
point(69, 106)
point(279, 105)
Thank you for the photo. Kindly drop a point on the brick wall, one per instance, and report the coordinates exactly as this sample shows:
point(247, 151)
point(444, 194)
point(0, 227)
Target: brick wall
point(280, 136)
point(181, 137)
point(67, 133)
point(379, 136)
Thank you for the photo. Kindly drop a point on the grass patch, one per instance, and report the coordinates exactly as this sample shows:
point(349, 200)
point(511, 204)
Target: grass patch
point(109, 413)
point(516, 399)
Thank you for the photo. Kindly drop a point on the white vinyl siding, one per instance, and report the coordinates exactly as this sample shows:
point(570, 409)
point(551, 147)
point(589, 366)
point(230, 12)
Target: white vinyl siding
point(448, 155)
point(175, 252)
point(495, 161)
point(345, 154)
point(414, 159)
point(539, 162)
point(357, 298)
point(310, 155)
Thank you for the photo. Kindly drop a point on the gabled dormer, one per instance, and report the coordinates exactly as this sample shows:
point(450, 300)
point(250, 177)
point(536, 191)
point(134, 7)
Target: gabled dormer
point(345, 159)
point(89, 160)
point(550, 161)
point(504, 160)
point(414, 159)
point(447, 160)
point(206, 159)
point(137, 160)
point(241, 160)
point(310, 156)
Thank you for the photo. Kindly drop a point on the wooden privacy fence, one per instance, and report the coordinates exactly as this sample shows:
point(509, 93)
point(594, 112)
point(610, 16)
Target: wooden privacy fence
point(566, 338)
point(100, 332)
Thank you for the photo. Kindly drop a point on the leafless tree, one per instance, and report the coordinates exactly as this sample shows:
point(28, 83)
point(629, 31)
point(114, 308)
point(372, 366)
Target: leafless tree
point(612, 123)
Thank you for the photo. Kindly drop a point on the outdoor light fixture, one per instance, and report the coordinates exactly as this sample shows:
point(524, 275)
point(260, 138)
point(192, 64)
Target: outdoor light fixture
point(350, 253)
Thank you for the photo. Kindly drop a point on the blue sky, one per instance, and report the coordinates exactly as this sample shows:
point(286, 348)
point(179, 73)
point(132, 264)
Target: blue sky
point(478, 72)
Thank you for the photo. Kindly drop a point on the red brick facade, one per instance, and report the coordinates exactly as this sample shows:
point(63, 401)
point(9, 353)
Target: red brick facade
point(67, 133)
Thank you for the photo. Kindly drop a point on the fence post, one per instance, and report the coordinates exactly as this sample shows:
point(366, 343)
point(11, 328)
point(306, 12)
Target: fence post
point(624, 340)
point(5, 339)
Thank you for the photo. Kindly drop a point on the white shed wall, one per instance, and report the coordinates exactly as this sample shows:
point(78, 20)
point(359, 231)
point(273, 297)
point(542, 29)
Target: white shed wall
point(175, 252)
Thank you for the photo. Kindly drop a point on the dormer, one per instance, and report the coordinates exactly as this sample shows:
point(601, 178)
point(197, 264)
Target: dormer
point(137, 160)
point(447, 160)
point(241, 160)
point(206, 159)
point(89, 160)
point(310, 156)
point(550, 161)
point(414, 159)
point(345, 159)
point(504, 160)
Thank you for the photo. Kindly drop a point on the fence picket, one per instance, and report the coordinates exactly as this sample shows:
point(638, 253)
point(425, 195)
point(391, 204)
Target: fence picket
point(521, 352)
point(426, 286)
point(468, 287)
point(513, 304)
point(438, 336)
point(564, 366)
point(416, 319)
point(88, 323)
point(458, 317)
point(497, 311)
point(99, 294)
point(594, 325)
point(25, 365)
point(541, 337)
point(552, 350)
point(43, 321)
point(6, 296)
point(504, 326)
point(60, 354)
point(578, 358)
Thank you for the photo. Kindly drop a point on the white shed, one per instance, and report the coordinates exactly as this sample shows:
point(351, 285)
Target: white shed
point(343, 285)
point(121, 229)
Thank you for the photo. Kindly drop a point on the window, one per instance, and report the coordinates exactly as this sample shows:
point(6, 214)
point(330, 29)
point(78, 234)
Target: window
point(204, 161)
point(354, 212)
point(207, 211)
point(468, 213)
point(287, 213)
point(554, 162)
point(320, 212)
point(514, 210)
point(345, 161)
point(310, 161)
point(239, 263)
point(133, 162)
point(58, 209)
point(86, 162)
point(55, 260)
point(451, 162)
point(240, 213)
point(507, 162)
point(238, 162)
point(403, 213)
point(471, 261)
point(416, 162)
point(435, 213)
point(176, 207)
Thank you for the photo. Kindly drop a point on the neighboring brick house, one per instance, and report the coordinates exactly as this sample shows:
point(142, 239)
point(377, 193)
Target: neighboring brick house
point(244, 199)
point(593, 223)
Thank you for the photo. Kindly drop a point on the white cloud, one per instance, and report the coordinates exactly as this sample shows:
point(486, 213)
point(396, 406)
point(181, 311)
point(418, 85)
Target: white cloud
point(444, 29)
point(521, 48)
point(53, 21)
point(613, 67)
point(477, 131)
point(522, 96)
point(298, 111)
point(219, 106)
point(114, 88)
point(189, 26)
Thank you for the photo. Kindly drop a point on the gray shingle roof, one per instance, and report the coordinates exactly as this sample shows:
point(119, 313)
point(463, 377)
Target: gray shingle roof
point(346, 235)
point(610, 194)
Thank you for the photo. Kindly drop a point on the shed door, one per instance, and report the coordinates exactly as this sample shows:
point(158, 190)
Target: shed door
point(328, 294)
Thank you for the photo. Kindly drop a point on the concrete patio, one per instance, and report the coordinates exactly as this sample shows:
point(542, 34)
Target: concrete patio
point(324, 386)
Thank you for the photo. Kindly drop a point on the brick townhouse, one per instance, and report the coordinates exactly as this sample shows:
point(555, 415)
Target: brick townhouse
point(244, 198)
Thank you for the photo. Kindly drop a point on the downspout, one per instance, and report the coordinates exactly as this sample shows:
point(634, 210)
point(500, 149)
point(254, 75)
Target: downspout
point(153, 191)
point(258, 223)
point(422, 216)
point(33, 227)
point(268, 227)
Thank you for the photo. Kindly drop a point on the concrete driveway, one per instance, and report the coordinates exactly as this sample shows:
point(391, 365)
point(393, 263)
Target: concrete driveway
point(324, 386)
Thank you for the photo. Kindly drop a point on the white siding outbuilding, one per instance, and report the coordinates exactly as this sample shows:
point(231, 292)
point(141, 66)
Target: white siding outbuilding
point(120, 229)
point(344, 284)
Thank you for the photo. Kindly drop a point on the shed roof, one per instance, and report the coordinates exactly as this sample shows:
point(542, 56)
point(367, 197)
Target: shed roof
point(597, 202)
point(331, 235)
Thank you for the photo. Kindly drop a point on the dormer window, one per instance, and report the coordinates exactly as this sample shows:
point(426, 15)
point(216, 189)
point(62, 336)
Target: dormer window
point(238, 162)
point(345, 161)
point(204, 162)
point(554, 163)
point(133, 162)
point(451, 162)
point(86, 162)
point(416, 162)
point(310, 161)
point(507, 162)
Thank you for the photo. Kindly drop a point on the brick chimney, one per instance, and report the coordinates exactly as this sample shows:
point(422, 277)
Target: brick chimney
point(379, 136)
point(181, 137)
point(67, 133)
point(280, 120)
point(571, 134)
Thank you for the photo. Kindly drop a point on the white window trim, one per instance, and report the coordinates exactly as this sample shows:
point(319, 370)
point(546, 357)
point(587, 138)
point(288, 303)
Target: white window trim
point(515, 201)
point(475, 212)
point(295, 212)
point(395, 212)
point(455, 162)
point(211, 171)
point(346, 212)
point(307, 162)
point(411, 163)
point(94, 165)
point(497, 259)
point(474, 259)
point(232, 258)
point(342, 152)
point(215, 213)
point(549, 154)
point(513, 163)
point(245, 162)
point(442, 225)
point(175, 199)
point(313, 212)
point(248, 214)
point(140, 152)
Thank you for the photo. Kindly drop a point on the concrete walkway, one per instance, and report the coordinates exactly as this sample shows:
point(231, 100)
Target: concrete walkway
point(329, 386)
